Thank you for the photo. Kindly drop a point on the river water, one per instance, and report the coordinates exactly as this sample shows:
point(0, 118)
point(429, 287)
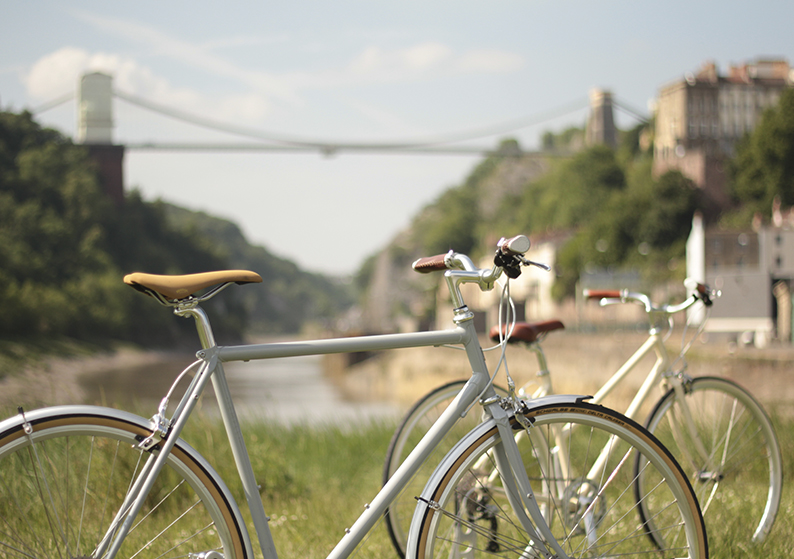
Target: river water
point(290, 391)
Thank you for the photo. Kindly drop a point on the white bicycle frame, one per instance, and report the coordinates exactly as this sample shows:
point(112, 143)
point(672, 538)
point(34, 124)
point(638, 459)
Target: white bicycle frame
point(211, 359)
point(661, 371)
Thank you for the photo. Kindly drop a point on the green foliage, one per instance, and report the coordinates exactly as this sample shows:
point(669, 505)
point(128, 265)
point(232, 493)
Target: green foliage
point(52, 235)
point(568, 139)
point(449, 224)
point(64, 247)
point(289, 297)
point(763, 168)
point(644, 228)
point(570, 194)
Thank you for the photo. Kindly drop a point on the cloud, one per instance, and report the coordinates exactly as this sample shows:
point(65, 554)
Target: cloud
point(375, 64)
point(488, 61)
point(56, 74)
point(256, 91)
point(199, 56)
point(59, 73)
point(428, 60)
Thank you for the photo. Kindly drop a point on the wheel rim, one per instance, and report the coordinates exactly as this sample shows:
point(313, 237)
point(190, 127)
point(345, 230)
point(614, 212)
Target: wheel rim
point(738, 480)
point(59, 495)
point(606, 526)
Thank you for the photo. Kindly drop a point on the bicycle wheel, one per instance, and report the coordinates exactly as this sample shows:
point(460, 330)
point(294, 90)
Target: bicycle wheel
point(62, 483)
point(416, 422)
point(737, 472)
point(465, 509)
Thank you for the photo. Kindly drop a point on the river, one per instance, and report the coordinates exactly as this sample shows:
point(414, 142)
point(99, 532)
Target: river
point(290, 391)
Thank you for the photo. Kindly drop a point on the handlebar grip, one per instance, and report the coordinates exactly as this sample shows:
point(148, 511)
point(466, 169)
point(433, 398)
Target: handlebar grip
point(428, 264)
point(514, 246)
point(601, 293)
point(704, 294)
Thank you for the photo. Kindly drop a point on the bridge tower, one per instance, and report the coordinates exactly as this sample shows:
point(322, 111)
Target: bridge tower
point(601, 124)
point(95, 132)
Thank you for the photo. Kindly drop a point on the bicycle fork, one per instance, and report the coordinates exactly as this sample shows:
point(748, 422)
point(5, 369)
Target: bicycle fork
point(520, 494)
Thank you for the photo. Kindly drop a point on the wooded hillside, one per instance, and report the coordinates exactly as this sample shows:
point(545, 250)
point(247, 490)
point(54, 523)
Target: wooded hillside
point(64, 248)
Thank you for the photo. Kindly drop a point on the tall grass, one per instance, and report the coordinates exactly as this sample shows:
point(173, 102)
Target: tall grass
point(316, 480)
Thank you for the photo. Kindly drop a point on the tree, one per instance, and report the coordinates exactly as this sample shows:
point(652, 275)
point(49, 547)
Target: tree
point(763, 167)
point(643, 228)
point(64, 246)
point(572, 193)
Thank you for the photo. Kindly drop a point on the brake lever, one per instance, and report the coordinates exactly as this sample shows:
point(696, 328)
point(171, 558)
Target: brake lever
point(526, 262)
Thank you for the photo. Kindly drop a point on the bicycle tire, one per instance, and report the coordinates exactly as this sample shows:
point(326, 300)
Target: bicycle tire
point(415, 423)
point(464, 511)
point(736, 429)
point(65, 471)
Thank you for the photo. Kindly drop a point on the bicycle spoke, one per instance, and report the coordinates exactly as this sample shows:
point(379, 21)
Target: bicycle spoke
point(40, 476)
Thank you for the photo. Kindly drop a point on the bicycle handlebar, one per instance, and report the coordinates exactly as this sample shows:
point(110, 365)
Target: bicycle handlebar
point(699, 292)
point(513, 247)
point(460, 269)
point(428, 264)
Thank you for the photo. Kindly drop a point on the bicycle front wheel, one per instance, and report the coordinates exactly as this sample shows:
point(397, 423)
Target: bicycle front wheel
point(730, 452)
point(579, 460)
point(64, 473)
point(415, 424)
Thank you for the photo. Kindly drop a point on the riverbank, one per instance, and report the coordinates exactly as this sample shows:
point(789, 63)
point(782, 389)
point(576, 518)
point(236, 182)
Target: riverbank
point(61, 379)
point(580, 364)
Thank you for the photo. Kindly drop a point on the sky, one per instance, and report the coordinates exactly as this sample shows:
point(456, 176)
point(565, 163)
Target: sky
point(356, 71)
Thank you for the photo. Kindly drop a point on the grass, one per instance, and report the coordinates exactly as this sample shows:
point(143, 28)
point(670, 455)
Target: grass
point(320, 478)
point(315, 481)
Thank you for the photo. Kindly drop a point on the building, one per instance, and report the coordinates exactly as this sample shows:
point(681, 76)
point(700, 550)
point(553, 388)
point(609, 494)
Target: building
point(700, 118)
point(754, 271)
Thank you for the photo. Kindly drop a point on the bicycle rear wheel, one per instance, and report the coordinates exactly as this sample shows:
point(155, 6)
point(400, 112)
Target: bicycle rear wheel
point(465, 510)
point(737, 473)
point(415, 424)
point(65, 472)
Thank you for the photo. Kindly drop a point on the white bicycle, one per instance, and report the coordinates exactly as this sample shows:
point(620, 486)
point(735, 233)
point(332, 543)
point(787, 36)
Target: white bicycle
point(719, 433)
point(84, 481)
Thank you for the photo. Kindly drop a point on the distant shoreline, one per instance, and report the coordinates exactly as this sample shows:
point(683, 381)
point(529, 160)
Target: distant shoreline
point(56, 380)
point(579, 363)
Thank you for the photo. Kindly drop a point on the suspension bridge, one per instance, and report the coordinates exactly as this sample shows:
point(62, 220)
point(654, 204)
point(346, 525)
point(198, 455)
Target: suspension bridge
point(95, 123)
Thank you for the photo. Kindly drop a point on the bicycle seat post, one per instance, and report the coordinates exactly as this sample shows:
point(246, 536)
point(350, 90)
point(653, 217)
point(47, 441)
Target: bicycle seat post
point(202, 322)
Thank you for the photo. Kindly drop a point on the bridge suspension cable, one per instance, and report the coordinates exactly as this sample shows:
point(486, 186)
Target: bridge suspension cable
point(273, 141)
point(628, 109)
point(57, 102)
point(429, 145)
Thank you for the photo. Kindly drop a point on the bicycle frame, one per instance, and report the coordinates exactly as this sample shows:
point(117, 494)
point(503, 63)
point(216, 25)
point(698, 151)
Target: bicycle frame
point(655, 344)
point(660, 373)
point(212, 358)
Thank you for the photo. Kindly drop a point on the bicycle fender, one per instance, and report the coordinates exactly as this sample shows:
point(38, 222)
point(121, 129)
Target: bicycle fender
point(554, 399)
